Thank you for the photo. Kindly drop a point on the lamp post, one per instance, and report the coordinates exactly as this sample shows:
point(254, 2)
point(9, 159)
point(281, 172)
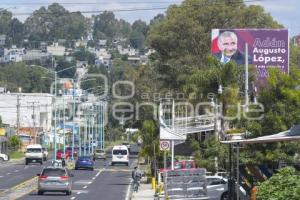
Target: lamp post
point(55, 95)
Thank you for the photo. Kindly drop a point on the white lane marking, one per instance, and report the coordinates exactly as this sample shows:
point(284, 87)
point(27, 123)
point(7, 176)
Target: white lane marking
point(94, 178)
point(84, 187)
point(1, 176)
point(90, 182)
point(80, 191)
point(16, 170)
point(128, 190)
point(100, 172)
point(73, 197)
point(8, 173)
point(82, 182)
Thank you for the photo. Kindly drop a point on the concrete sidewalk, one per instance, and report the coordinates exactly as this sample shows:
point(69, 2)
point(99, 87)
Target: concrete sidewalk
point(145, 191)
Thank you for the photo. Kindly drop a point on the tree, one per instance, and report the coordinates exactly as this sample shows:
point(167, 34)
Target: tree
point(105, 24)
point(16, 32)
point(14, 142)
point(63, 64)
point(82, 54)
point(17, 75)
point(283, 185)
point(55, 22)
point(137, 39)
point(5, 21)
point(149, 134)
point(182, 38)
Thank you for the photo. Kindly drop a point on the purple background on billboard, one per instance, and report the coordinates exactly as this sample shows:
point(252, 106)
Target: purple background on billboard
point(280, 59)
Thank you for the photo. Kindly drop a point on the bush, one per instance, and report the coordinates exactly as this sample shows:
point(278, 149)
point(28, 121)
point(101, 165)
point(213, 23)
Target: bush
point(14, 142)
point(281, 186)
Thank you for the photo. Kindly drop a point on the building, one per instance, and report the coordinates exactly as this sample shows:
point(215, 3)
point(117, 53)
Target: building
point(127, 51)
point(56, 50)
point(13, 55)
point(33, 111)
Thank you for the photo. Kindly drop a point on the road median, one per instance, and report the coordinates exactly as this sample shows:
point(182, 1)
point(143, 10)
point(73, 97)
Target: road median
point(19, 190)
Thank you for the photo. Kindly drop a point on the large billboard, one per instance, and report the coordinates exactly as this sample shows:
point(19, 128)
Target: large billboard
point(267, 48)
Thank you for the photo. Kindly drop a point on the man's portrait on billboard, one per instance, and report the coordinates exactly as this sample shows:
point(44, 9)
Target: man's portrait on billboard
point(228, 46)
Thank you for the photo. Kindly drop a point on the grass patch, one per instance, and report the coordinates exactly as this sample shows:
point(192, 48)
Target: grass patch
point(16, 155)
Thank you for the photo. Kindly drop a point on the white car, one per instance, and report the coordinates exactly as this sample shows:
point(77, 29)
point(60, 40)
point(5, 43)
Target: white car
point(34, 154)
point(120, 155)
point(3, 157)
point(217, 188)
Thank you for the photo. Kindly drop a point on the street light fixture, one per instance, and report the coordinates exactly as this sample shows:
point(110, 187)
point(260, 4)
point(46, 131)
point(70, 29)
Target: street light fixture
point(55, 95)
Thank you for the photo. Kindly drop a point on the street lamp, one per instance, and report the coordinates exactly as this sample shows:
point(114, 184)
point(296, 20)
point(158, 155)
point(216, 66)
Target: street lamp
point(55, 95)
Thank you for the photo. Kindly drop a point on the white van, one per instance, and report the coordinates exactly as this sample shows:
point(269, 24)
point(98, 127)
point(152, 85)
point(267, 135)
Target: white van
point(120, 154)
point(34, 154)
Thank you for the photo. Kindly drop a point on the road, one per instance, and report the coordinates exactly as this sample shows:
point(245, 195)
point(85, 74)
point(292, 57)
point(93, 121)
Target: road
point(105, 182)
point(11, 174)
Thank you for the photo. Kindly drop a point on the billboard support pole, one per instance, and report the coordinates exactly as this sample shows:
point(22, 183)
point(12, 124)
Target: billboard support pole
point(173, 127)
point(246, 77)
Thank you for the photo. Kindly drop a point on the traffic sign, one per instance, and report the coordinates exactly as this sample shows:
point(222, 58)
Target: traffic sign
point(164, 145)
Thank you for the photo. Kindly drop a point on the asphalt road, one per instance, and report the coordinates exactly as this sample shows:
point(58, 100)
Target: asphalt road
point(105, 182)
point(11, 174)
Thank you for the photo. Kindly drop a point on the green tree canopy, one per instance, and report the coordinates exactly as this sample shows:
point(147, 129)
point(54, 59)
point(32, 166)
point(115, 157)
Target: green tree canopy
point(55, 22)
point(281, 186)
point(182, 39)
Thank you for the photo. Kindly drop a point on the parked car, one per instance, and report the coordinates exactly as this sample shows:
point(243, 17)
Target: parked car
point(217, 188)
point(100, 154)
point(55, 179)
point(84, 162)
point(45, 153)
point(3, 157)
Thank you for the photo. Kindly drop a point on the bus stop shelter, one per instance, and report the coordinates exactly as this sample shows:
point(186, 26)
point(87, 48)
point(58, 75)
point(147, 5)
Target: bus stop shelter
point(293, 134)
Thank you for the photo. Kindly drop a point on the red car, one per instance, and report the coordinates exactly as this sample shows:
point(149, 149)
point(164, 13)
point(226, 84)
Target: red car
point(60, 153)
point(76, 150)
point(181, 165)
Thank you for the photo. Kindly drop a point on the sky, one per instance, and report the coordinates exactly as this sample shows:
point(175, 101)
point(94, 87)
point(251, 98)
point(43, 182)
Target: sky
point(285, 12)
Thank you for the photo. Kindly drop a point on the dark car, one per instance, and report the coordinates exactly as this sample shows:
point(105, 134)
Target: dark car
point(84, 162)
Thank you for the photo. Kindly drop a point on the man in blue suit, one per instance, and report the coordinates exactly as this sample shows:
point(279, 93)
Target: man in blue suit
point(227, 43)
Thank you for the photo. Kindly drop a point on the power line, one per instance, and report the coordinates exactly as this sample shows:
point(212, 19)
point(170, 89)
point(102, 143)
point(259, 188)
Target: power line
point(91, 3)
point(98, 11)
point(146, 8)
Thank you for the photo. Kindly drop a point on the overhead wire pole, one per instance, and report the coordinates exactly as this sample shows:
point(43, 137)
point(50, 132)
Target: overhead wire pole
point(74, 114)
point(18, 114)
point(33, 120)
point(101, 125)
point(55, 125)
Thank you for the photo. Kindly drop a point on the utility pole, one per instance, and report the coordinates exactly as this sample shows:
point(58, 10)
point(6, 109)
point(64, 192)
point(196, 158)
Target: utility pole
point(18, 114)
point(33, 119)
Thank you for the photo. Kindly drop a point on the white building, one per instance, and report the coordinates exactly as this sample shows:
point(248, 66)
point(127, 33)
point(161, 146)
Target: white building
point(35, 109)
point(13, 55)
point(127, 51)
point(56, 50)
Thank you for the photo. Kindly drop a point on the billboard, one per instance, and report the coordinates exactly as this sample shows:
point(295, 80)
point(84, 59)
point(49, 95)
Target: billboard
point(267, 48)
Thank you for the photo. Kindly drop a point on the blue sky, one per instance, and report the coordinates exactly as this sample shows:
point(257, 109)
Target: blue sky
point(285, 12)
